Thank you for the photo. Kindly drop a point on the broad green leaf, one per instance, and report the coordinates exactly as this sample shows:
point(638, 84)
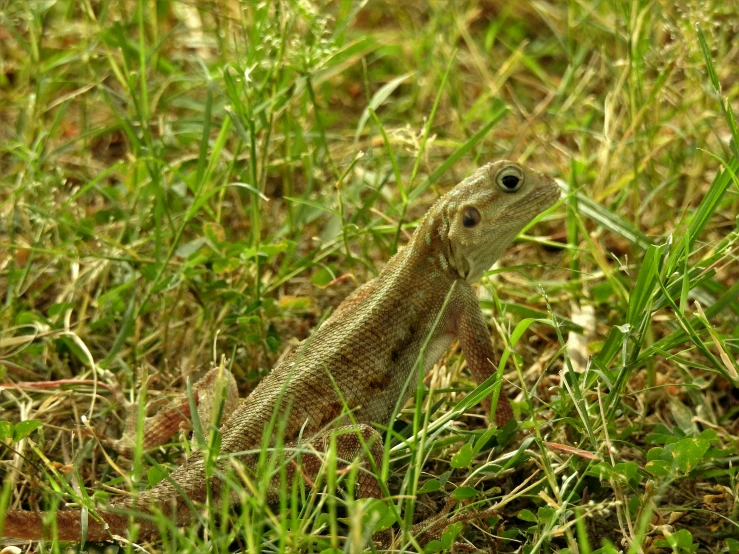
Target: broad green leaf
point(155, 475)
point(660, 435)
point(527, 515)
point(709, 435)
point(432, 485)
point(687, 453)
point(451, 534)
point(322, 277)
point(624, 471)
point(546, 515)
point(463, 458)
point(627, 470)
point(659, 468)
point(682, 540)
point(379, 512)
point(463, 493)
point(655, 454)
point(608, 548)
point(24, 428)
point(6, 431)
point(434, 546)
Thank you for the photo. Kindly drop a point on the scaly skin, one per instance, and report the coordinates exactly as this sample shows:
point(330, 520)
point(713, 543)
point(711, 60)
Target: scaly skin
point(371, 346)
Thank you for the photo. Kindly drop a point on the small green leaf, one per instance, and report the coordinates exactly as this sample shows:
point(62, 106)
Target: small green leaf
point(154, 476)
point(681, 539)
point(687, 453)
point(463, 458)
point(451, 534)
point(189, 248)
point(659, 468)
point(386, 521)
point(444, 477)
point(601, 471)
point(322, 519)
point(708, 435)
point(602, 292)
point(660, 435)
point(733, 546)
point(608, 548)
point(463, 493)
point(377, 511)
point(430, 486)
point(434, 546)
point(527, 515)
point(25, 428)
point(655, 454)
point(546, 515)
point(6, 431)
point(322, 277)
point(58, 309)
point(627, 470)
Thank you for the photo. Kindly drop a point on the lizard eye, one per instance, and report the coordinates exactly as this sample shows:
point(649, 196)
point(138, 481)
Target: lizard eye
point(470, 217)
point(510, 179)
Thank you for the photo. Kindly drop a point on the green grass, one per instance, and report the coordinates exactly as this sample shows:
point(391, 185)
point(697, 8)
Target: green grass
point(183, 181)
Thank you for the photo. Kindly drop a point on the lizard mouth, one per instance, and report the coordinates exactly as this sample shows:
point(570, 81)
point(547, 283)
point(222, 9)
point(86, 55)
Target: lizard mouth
point(549, 194)
point(540, 199)
point(458, 261)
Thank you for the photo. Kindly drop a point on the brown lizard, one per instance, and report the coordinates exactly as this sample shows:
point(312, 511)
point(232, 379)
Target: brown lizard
point(364, 359)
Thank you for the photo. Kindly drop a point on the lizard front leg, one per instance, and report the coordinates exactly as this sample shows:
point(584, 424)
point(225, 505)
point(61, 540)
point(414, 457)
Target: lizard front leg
point(474, 339)
point(160, 427)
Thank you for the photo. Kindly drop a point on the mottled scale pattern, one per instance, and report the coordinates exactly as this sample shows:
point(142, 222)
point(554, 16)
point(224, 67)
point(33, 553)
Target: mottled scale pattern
point(364, 354)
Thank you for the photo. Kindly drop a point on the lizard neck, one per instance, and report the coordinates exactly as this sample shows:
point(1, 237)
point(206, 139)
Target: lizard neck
point(431, 251)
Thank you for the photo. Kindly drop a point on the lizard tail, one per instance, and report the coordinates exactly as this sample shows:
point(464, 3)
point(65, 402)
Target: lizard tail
point(66, 525)
point(164, 497)
point(34, 526)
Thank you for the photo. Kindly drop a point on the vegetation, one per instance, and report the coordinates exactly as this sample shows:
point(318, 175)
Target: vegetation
point(182, 181)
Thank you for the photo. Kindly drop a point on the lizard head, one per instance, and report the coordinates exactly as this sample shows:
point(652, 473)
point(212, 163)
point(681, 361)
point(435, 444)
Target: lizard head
point(482, 215)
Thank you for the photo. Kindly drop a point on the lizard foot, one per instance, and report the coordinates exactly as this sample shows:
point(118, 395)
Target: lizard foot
point(433, 527)
point(208, 391)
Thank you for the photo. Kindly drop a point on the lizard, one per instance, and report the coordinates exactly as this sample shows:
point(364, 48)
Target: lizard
point(359, 360)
